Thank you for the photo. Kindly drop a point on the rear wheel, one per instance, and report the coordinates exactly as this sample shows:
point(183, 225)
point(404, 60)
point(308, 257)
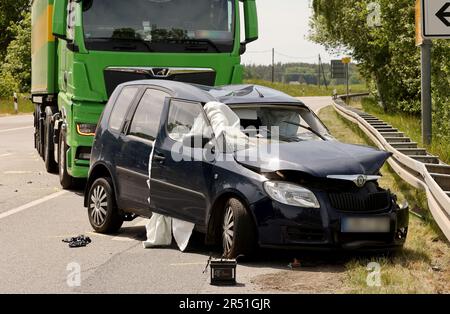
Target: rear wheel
point(66, 180)
point(238, 230)
point(49, 147)
point(102, 209)
point(38, 139)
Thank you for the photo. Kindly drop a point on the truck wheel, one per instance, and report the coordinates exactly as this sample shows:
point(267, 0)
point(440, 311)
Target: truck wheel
point(102, 209)
point(49, 147)
point(66, 180)
point(37, 132)
point(238, 230)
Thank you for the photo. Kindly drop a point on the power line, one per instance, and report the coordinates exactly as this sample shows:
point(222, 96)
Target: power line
point(262, 51)
point(282, 54)
point(295, 57)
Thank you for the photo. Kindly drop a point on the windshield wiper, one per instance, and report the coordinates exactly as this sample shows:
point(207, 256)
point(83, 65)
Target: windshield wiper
point(190, 40)
point(133, 40)
point(307, 128)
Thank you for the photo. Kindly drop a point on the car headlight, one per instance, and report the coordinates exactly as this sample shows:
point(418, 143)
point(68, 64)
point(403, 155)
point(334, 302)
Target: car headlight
point(291, 194)
point(86, 129)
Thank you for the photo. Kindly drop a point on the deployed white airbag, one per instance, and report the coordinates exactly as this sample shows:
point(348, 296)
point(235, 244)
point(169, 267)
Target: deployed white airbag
point(227, 125)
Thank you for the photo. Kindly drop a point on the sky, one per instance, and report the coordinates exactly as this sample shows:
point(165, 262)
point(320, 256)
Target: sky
point(284, 25)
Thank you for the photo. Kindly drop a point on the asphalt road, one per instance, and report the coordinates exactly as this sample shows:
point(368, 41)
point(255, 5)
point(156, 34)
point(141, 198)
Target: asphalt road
point(35, 215)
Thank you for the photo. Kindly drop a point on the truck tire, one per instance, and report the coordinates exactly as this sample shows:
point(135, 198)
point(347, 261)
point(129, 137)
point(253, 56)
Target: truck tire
point(238, 230)
point(38, 131)
point(102, 208)
point(66, 180)
point(49, 148)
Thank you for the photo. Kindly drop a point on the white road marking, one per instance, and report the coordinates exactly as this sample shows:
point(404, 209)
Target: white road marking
point(31, 204)
point(5, 155)
point(19, 172)
point(16, 129)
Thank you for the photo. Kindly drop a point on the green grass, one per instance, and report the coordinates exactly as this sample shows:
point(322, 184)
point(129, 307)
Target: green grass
point(308, 90)
point(409, 271)
point(7, 105)
point(410, 125)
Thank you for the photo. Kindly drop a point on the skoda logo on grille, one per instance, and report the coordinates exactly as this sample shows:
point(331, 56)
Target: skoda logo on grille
point(360, 181)
point(161, 72)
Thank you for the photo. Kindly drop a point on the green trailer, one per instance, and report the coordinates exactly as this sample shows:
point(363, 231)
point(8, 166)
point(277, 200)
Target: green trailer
point(83, 49)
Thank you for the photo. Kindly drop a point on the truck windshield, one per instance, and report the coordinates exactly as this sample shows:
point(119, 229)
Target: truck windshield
point(159, 25)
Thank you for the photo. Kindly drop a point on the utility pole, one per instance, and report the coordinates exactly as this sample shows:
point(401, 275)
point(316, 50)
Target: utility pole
point(426, 92)
point(273, 65)
point(323, 72)
point(318, 72)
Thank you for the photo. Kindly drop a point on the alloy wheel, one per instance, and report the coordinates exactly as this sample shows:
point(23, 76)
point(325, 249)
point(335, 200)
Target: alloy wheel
point(228, 230)
point(99, 205)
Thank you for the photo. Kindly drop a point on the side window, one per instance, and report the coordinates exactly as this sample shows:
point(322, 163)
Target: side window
point(146, 119)
point(185, 118)
point(121, 106)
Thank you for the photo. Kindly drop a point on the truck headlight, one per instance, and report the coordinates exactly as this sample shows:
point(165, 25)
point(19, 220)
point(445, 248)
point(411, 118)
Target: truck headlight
point(86, 129)
point(291, 194)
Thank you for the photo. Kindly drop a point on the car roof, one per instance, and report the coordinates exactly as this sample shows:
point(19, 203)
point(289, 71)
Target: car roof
point(243, 94)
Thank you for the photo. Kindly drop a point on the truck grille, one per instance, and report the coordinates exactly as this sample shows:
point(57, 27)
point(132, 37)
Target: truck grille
point(117, 76)
point(360, 202)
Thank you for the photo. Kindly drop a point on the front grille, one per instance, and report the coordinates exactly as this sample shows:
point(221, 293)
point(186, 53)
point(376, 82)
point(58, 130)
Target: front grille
point(117, 76)
point(360, 202)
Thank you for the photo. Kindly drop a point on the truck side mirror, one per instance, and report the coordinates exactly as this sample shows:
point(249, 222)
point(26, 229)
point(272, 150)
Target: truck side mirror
point(59, 24)
point(251, 21)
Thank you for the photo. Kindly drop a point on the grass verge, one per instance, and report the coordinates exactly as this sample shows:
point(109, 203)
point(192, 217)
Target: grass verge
point(424, 264)
point(7, 105)
point(409, 124)
point(308, 90)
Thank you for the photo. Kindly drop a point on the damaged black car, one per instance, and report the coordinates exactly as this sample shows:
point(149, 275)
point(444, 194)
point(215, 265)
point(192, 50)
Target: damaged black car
point(249, 166)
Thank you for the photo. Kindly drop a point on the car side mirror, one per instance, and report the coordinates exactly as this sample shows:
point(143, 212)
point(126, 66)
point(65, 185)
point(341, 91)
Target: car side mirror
point(195, 141)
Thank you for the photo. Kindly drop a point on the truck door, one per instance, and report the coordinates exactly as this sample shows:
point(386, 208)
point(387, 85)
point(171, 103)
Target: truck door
point(137, 144)
point(180, 176)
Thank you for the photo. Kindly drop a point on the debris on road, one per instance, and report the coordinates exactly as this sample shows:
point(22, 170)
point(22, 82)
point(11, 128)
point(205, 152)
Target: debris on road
point(76, 242)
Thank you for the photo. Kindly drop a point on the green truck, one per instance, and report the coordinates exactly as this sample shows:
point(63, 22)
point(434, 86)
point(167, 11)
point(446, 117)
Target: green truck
point(83, 49)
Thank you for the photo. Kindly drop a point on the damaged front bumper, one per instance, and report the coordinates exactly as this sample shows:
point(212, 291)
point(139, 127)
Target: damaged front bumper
point(284, 226)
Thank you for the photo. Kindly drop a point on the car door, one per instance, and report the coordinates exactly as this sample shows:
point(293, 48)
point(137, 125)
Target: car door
point(180, 176)
point(137, 143)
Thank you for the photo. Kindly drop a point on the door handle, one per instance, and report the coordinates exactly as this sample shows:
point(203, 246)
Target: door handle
point(159, 158)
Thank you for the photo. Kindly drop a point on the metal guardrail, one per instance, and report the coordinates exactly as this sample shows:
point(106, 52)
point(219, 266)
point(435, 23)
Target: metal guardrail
point(413, 164)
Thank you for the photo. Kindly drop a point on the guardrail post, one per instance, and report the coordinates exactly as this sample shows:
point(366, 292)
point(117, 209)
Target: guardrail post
point(16, 104)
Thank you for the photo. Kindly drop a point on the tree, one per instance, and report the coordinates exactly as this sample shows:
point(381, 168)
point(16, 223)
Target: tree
point(386, 52)
point(15, 72)
point(11, 12)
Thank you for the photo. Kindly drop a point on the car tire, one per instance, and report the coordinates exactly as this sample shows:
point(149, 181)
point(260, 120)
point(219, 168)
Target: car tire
point(102, 209)
point(66, 180)
point(238, 230)
point(49, 156)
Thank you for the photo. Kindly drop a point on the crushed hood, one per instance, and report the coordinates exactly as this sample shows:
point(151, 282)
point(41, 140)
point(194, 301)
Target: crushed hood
point(316, 158)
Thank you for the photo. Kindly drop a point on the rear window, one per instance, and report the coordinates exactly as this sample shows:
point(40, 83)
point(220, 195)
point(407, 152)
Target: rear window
point(121, 107)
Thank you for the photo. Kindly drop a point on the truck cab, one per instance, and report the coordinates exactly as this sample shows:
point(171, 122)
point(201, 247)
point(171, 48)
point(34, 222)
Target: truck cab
point(83, 49)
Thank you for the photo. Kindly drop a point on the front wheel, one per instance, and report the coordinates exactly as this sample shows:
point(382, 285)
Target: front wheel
point(238, 230)
point(102, 209)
